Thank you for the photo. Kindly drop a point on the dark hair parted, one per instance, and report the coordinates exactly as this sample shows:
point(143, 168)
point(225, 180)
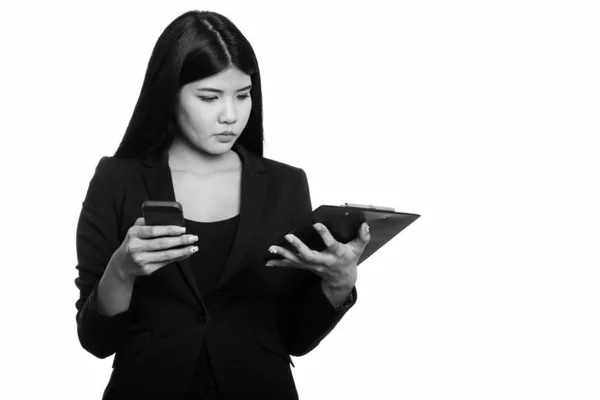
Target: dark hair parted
point(196, 45)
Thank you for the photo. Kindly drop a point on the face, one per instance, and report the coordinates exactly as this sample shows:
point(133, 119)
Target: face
point(211, 106)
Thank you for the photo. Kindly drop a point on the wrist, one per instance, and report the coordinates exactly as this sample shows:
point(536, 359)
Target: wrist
point(338, 286)
point(116, 269)
point(337, 293)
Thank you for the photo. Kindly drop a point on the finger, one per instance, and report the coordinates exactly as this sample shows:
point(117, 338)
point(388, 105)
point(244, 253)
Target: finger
point(167, 242)
point(187, 255)
point(171, 261)
point(152, 231)
point(303, 250)
point(333, 245)
point(286, 254)
point(282, 263)
point(317, 269)
point(140, 221)
point(169, 255)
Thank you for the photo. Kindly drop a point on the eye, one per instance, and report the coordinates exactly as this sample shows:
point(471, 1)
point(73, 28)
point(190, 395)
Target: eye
point(208, 99)
point(244, 96)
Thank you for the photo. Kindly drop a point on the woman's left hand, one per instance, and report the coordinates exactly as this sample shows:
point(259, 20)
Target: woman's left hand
point(336, 265)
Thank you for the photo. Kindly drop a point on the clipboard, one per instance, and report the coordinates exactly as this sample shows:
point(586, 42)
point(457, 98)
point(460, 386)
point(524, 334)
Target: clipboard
point(343, 223)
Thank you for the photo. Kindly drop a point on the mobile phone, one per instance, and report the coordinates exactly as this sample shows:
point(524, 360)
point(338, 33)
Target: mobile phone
point(163, 213)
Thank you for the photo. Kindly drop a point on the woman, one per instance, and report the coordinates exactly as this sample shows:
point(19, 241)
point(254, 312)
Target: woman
point(198, 314)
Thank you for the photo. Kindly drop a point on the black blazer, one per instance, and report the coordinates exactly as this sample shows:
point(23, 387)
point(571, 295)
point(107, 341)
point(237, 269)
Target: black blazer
point(256, 318)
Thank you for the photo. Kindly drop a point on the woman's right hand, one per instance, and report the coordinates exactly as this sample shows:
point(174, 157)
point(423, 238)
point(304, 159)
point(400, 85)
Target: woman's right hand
point(148, 248)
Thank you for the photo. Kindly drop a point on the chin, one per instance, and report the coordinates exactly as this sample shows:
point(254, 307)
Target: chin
point(218, 148)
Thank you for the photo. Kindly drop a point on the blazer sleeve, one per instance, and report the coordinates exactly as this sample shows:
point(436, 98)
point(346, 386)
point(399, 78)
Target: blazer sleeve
point(96, 241)
point(308, 316)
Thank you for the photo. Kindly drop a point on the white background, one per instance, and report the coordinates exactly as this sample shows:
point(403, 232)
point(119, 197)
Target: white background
point(482, 116)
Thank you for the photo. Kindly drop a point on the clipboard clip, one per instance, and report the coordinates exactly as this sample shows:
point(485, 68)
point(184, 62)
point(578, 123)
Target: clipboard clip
point(369, 207)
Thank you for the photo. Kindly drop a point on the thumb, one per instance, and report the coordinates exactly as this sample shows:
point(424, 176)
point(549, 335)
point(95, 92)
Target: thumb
point(363, 237)
point(140, 221)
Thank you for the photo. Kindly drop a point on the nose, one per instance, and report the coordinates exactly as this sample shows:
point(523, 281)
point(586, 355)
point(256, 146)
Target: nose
point(229, 114)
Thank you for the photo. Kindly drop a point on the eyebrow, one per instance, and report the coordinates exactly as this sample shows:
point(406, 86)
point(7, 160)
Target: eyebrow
point(207, 89)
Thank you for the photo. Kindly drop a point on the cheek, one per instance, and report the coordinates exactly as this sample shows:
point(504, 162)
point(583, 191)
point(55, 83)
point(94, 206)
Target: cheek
point(202, 119)
point(247, 109)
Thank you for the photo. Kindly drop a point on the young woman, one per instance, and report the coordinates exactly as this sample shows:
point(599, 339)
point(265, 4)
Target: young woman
point(197, 314)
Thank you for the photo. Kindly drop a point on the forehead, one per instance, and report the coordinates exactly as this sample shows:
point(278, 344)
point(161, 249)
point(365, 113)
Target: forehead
point(231, 78)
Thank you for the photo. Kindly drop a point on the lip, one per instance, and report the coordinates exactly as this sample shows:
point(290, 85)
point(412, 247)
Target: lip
point(227, 133)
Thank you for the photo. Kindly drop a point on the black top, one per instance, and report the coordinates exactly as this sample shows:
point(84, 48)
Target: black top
point(214, 244)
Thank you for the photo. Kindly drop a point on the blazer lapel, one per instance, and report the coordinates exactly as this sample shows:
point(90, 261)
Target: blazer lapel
point(159, 183)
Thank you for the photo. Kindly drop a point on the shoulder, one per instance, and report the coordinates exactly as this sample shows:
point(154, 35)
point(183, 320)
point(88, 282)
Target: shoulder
point(288, 177)
point(113, 172)
point(291, 181)
point(115, 167)
point(281, 170)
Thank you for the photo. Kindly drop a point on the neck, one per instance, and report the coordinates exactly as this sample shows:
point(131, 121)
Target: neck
point(184, 156)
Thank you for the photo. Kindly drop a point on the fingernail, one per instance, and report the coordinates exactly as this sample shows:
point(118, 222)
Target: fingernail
point(289, 238)
point(194, 249)
point(182, 230)
point(317, 227)
point(366, 227)
point(193, 239)
point(272, 250)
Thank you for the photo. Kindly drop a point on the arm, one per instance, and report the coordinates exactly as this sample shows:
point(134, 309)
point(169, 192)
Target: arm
point(103, 306)
point(310, 313)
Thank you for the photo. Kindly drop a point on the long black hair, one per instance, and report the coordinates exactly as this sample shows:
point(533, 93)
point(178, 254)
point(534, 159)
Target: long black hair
point(196, 45)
